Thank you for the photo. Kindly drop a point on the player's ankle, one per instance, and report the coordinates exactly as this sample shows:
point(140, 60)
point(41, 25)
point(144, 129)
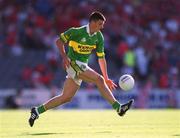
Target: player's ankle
point(116, 105)
point(41, 109)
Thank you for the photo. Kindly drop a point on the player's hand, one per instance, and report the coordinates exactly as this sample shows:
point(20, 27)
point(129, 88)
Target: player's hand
point(112, 86)
point(66, 62)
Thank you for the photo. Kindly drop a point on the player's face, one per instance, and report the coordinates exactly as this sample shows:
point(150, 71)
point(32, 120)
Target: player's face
point(98, 25)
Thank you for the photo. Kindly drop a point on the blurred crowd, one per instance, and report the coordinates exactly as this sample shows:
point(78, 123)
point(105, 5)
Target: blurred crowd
point(142, 37)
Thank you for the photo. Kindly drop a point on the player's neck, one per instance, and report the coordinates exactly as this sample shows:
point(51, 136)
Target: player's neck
point(91, 29)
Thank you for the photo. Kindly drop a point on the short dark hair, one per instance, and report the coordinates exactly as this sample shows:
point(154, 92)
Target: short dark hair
point(95, 16)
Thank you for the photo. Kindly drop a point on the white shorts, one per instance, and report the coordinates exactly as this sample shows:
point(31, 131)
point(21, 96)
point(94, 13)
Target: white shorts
point(75, 68)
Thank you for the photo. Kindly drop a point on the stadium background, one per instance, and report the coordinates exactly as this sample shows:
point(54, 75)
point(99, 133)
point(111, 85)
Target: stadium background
point(142, 38)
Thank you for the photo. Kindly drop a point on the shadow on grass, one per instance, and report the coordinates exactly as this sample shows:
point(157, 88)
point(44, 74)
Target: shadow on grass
point(176, 135)
point(38, 134)
point(41, 134)
point(49, 133)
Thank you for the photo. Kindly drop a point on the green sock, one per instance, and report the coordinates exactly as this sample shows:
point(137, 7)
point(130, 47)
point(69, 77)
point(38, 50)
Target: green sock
point(41, 109)
point(116, 105)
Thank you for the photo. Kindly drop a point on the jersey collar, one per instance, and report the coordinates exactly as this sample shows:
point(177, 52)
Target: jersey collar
point(88, 30)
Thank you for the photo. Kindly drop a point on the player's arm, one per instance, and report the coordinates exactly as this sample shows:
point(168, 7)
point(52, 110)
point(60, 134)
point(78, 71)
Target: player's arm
point(63, 39)
point(102, 62)
point(63, 54)
point(103, 67)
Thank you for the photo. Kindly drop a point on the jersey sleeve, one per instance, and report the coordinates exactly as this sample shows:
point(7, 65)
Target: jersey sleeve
point(100, 46)
point(67, 35)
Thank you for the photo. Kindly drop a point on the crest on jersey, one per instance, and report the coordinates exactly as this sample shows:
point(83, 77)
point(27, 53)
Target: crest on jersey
point(83, 39)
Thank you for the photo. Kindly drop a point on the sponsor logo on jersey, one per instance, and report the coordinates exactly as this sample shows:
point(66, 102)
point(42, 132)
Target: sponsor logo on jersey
point(80, 48)
point(83, 48)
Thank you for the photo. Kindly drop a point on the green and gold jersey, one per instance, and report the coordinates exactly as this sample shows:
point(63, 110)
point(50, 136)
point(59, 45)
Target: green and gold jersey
point(81, 43)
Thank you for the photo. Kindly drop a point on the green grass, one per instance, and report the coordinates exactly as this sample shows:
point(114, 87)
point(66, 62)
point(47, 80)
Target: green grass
point(91, 124)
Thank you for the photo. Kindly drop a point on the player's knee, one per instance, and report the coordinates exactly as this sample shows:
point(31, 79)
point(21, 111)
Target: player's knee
point(67, 98)
point(100, 80)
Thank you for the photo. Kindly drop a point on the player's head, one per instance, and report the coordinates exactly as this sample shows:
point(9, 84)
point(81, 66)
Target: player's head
point(97, 20)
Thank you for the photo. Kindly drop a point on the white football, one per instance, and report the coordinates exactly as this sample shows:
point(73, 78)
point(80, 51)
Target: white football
point(126, 82)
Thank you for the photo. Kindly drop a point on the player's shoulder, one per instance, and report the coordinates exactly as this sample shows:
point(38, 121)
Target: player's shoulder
point(100, 35)
point(79, 28)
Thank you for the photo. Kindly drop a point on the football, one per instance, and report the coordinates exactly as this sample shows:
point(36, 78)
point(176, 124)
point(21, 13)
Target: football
point(126, 82)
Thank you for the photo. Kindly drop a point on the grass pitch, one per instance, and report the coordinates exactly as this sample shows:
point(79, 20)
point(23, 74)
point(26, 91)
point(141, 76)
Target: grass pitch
point(91, 124)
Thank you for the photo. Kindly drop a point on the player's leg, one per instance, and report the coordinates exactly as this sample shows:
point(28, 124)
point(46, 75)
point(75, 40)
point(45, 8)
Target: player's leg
point(69, 90)
point(91, 76)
